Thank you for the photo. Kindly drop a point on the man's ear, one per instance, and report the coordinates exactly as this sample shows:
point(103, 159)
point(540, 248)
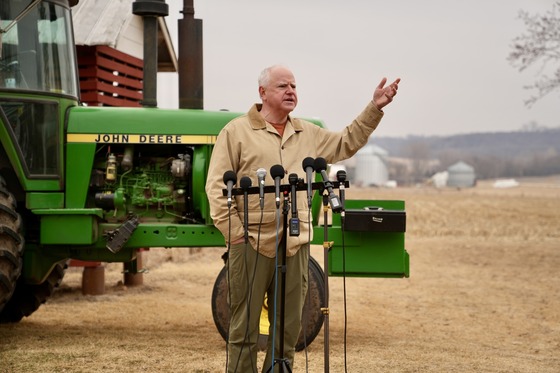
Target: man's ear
point(262, 93)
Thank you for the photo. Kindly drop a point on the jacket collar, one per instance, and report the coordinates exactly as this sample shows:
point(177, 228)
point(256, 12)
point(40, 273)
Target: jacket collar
point(258, 123)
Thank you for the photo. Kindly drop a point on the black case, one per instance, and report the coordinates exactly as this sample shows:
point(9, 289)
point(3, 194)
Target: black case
point(375, 219)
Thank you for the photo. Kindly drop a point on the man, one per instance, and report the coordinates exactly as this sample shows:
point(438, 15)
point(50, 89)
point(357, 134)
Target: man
point(264, 137)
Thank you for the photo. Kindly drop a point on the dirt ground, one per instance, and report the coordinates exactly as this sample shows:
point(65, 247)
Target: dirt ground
point(483, 296)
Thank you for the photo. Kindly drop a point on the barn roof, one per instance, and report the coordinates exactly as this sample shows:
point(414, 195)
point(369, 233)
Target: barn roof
point(106, 22)
point(460, 167)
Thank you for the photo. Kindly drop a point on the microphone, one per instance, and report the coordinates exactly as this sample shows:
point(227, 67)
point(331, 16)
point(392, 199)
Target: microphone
point(277, 172)
point(230, 178)
point(261, 174)
point(321, 166)
point(309, 168)
point(294, 221)
point(245, 183)
point(341, 178)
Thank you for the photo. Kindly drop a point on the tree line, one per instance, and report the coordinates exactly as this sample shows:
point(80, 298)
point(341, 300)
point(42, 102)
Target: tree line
point(528, 152)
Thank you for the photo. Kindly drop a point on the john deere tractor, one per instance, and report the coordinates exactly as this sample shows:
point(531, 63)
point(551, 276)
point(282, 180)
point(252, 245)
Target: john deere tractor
point(99, 183)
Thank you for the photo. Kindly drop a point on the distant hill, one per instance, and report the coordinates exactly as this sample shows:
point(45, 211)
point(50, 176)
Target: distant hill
point(494, 154)
point(509, 144)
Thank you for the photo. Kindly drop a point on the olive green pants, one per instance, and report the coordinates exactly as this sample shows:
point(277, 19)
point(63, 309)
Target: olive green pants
point(251, 276)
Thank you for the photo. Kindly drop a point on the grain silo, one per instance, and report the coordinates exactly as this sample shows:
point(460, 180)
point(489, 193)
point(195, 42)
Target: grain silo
point(461, 175)
point(371, 166)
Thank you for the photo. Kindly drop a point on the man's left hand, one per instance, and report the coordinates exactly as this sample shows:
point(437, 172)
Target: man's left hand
point(382, 95)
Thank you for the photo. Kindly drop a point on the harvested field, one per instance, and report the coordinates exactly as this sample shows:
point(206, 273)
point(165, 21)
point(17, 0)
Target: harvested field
point(483, 296)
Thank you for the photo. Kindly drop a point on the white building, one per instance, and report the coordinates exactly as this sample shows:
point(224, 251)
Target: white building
point(371, 166)
point(461, 175)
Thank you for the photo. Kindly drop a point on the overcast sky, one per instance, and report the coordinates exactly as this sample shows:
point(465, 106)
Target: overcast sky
point(451, 56)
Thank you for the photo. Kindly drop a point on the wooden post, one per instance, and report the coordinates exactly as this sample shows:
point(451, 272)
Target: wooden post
point(133, 274)
point(93, 280)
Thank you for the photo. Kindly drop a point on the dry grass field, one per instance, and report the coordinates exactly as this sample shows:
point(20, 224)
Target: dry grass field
point(483, 296)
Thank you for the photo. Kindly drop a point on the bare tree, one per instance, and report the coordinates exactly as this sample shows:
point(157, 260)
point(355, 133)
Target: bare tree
point(419, 152)
point(540, 46)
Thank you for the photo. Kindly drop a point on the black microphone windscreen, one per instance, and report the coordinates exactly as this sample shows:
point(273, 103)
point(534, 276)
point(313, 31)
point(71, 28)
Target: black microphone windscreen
point(320, 164)
point(277, 171)
point(341, 175)
point(245, 182)
point(230, 176)
point(308, 162)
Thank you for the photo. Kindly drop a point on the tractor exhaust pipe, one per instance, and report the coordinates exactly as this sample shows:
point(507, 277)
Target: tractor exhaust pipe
point(149, 10)
point(191, 93)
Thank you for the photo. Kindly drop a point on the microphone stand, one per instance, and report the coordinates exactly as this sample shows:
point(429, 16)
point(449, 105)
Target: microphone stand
point(282, 361)
point(326, 247)
point(285, 364)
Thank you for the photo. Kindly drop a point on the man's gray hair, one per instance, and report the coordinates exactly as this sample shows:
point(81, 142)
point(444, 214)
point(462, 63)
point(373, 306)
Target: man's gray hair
point(264, 77)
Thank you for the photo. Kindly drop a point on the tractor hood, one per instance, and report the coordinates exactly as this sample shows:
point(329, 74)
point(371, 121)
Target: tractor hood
point(144, 125)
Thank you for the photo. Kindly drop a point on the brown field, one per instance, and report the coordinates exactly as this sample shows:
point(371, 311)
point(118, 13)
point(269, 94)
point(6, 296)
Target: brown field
point(483, 296)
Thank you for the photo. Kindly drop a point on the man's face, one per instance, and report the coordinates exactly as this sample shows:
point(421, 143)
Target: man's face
point(280, 94)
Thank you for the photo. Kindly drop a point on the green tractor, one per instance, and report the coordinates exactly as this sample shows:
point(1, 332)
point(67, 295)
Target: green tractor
point(100, 183)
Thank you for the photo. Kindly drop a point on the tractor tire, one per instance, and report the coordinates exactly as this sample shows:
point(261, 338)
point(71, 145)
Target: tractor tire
point(27, 298)
point(11, 245)
point(312, 320)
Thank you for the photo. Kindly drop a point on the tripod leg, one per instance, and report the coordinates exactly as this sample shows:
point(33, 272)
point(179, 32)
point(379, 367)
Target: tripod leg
point(280, 365)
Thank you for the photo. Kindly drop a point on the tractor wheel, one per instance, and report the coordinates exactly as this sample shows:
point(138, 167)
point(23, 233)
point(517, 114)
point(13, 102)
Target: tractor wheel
point(27, 298)
point(11, 245)
point(312, 314)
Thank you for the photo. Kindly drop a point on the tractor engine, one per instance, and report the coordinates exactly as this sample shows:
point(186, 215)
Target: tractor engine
point(137, 180)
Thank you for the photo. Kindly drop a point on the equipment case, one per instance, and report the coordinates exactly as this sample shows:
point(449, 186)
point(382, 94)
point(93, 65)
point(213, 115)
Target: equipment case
point(374, 233)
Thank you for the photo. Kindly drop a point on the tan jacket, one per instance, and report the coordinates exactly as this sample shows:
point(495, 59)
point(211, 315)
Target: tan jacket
point(248, 143)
